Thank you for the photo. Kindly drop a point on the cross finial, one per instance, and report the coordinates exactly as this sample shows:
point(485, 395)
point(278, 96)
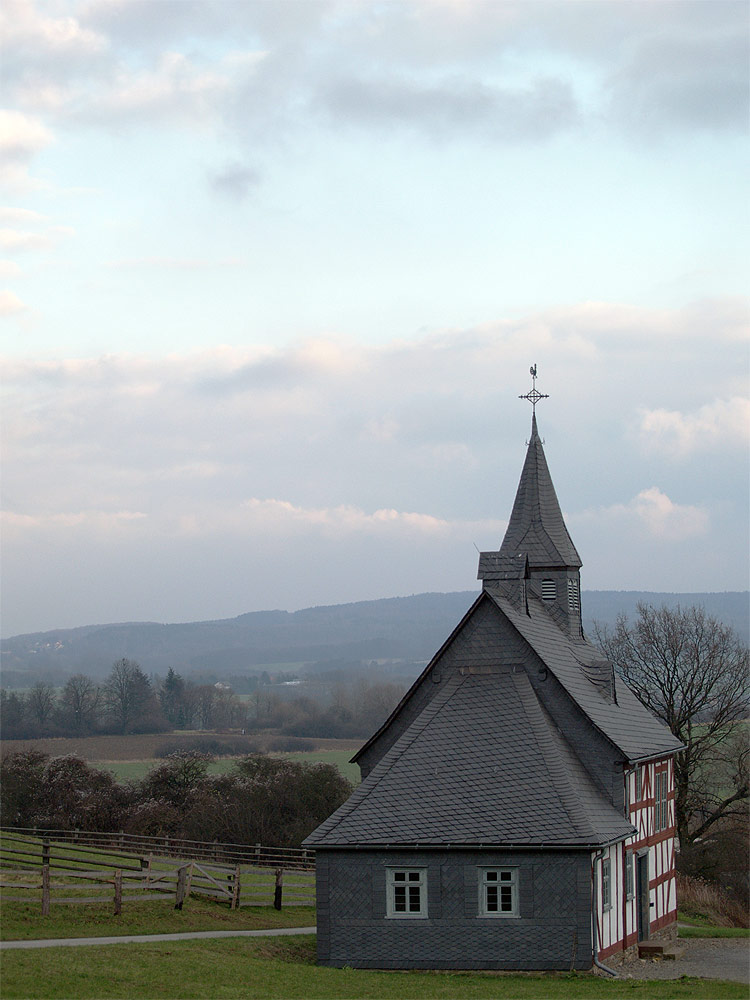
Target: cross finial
point(534, 395)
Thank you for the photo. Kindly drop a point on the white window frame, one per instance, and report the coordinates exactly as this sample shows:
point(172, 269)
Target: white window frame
point(606, 884)
point(629, 874)
point(661, 802)
point(490, 878)
point(405, 878)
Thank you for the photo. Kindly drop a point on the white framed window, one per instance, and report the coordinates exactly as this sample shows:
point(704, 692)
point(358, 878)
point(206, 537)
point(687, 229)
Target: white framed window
point(606, 884)
point(406, 892)
point(574, 596)
point(661, 809)
point(498, 892)
point(638, 783)
point(629, 875)
point(549, 590)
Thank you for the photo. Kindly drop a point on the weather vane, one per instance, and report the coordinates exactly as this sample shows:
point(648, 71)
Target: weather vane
point(534, 395)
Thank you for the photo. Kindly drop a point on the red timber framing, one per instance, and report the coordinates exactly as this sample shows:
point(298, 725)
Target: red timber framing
point(617, 927)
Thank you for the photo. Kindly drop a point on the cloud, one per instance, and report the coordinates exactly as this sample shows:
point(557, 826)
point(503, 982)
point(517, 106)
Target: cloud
point(21, 241)
point(454, 106)
point(98, 520)
point(10, 304)
point(279, 462)
point(235, 180)
point(724, 424)
point(508, 73)
point(684, 81)
point(9, 269)
point(653, 511)
point(21, 138)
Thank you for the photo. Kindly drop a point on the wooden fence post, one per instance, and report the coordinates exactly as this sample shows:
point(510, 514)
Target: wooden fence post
point(181, 885)
point(45, 891)
point(148, 872)
point(279, 888)
point(118, 892)
point(257, 854)
point(45, 852)
point(235, 890)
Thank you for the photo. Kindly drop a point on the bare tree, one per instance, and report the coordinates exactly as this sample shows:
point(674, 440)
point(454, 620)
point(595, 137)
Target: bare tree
point(691, 671)
point(41, 702)
point(79, 703)
point(128, 695)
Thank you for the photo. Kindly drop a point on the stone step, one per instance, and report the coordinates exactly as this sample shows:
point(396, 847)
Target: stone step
point(670, 954)
point(659, 949)
point(650, 949)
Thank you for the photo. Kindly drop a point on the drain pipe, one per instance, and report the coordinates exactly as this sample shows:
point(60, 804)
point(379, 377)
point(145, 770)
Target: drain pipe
point(594, 904)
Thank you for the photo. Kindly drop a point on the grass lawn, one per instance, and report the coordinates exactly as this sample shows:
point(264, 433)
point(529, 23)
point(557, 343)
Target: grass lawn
point(134, 770)
point(702, 927)
point(698, 931)
point(284, 968)
point(23, 921)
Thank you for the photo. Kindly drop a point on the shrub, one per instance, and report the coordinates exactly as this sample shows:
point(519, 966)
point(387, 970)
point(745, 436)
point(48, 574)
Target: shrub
point(233, 746)
point(699, 898)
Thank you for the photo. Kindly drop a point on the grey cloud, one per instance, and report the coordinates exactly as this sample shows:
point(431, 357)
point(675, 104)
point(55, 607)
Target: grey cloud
point(685, 82)
point(454, 106)
point(235, 180)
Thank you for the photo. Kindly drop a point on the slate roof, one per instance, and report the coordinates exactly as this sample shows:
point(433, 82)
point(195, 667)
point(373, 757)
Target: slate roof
point(575, 663)
point(483, 764)
point(536, 525)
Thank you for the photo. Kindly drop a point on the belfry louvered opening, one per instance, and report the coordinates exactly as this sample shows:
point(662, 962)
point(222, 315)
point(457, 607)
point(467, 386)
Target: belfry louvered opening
point(549, 590)
point(574, 596)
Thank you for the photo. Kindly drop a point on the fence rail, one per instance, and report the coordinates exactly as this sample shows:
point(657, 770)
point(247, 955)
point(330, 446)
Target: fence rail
point(289, 858)
point(52, 866)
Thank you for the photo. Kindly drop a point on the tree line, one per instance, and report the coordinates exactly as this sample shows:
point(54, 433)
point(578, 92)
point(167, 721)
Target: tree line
point(128, 701)
point(266, 800)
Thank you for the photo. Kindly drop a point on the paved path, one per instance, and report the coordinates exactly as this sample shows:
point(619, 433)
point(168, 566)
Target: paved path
point(152, 938)
point(709, 958)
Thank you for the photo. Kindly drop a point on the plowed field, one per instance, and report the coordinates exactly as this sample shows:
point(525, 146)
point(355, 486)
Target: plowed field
point(114, 748)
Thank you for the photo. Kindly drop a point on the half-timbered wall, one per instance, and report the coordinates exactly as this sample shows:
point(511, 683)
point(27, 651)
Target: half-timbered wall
point(653, 817)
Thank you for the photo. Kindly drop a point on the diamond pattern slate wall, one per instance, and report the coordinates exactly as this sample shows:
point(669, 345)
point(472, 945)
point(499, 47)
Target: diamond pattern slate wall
point(552, 931)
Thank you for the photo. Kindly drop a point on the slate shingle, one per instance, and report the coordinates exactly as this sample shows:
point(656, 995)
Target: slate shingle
point(482, 764)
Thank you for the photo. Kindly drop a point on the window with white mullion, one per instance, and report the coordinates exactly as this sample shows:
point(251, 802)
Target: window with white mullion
point(406, 892)
point(498, 892)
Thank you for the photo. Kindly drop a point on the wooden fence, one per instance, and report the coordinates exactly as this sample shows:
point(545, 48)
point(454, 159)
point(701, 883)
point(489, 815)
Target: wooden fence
point(289, 858)
point(49, 867)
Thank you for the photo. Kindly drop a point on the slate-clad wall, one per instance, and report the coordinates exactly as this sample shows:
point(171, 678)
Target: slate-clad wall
point(553, 928)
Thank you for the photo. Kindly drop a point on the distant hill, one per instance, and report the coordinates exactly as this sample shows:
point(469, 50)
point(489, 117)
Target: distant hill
point(397, 628)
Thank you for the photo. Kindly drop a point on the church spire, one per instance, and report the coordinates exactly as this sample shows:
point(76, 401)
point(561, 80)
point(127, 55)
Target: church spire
point(536, 527)
point(537, 555)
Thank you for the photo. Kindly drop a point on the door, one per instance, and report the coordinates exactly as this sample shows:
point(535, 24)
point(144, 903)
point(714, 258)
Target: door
point(643, 909)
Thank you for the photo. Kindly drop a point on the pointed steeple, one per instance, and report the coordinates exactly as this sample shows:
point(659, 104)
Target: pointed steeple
point(537, 558)
point(536, 527)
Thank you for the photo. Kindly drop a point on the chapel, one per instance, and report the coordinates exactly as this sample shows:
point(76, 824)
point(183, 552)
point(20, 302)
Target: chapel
point(516, 809)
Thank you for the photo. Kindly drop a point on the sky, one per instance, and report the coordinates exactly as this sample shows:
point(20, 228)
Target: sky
point(273, 274)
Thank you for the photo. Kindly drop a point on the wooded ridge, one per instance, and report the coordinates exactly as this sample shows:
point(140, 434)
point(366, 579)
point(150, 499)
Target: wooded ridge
point(398, 628)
